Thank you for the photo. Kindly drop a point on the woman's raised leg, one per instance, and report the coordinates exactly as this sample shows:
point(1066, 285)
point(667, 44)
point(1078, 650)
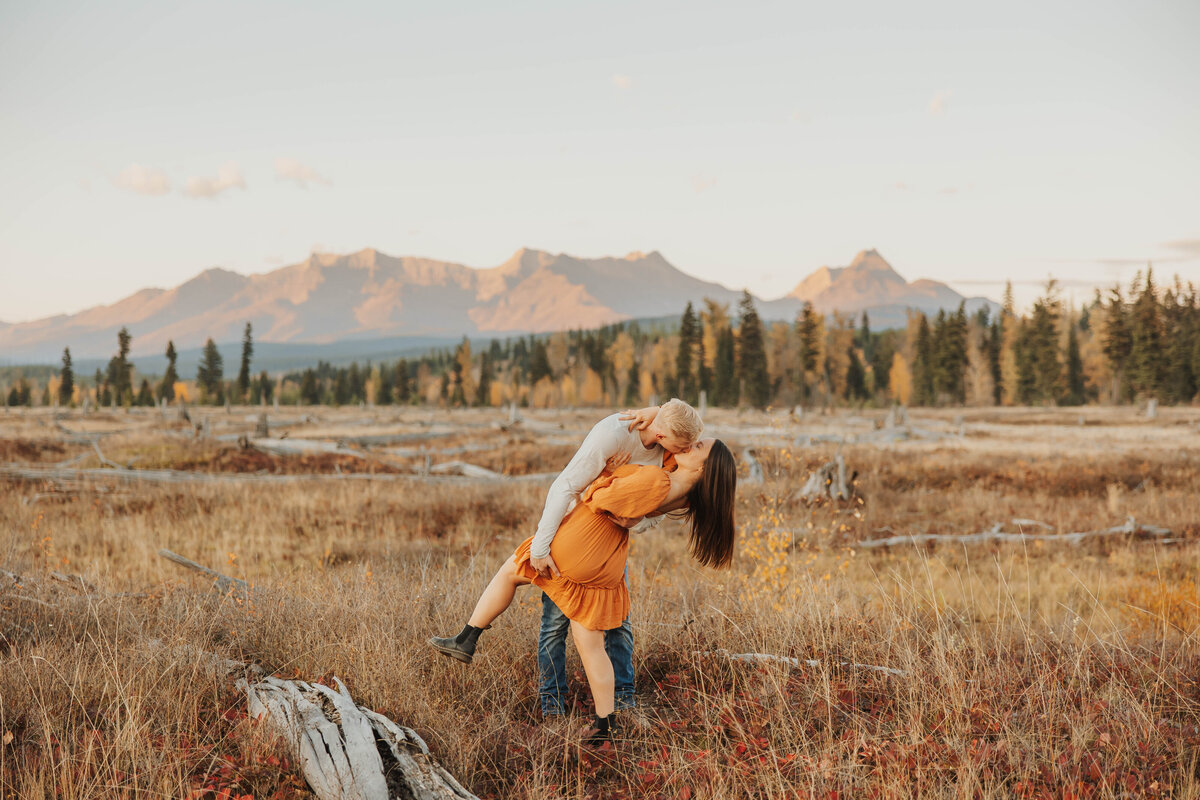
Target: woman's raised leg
point(596, 666)
point(495, 599)
point(498, 595)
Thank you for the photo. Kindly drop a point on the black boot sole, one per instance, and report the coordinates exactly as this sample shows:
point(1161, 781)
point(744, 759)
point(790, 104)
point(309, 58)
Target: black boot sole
point(453, 652)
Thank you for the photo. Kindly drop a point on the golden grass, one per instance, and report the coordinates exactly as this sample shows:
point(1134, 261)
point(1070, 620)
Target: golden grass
point(1043, 670)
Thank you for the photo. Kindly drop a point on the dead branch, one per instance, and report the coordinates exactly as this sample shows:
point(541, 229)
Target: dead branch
point(997, 534)
point(222, 584)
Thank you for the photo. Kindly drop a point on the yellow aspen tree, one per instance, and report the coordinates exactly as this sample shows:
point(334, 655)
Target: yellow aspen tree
point(900, 380)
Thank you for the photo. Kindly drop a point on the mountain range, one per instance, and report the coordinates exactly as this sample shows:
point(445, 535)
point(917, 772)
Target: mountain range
point(369, 295)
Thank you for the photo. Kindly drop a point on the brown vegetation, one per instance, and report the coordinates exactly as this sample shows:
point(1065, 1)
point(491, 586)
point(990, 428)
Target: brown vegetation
point(1043, 670)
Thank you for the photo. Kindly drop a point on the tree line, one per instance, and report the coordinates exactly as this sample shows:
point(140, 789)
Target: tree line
point(1125, 345)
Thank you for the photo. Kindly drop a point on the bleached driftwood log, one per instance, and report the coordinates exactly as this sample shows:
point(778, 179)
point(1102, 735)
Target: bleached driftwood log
point(828, 481)
point(465, 469)
point(32, 473)
point(997, 534)
point(346, 750)
point(795, 662)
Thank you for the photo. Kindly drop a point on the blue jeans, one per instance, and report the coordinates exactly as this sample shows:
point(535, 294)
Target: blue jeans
point(552, 659)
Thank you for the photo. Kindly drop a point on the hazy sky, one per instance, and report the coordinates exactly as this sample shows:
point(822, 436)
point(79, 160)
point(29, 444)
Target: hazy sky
point(750, 143)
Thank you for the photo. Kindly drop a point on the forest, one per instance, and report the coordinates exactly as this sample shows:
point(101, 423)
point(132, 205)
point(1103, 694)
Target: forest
point(1124, 346)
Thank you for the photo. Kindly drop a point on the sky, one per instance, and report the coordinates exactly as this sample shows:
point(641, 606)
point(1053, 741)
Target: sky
point(750, 143)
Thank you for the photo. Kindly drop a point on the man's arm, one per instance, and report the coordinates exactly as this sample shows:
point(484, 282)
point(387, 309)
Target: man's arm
point(584, 467)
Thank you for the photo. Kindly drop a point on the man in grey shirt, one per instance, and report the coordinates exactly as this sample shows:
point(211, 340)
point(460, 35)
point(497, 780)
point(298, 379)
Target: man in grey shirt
point(672, 427)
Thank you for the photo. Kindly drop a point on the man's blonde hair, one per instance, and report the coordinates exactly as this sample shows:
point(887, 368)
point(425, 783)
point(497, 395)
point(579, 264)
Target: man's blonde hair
point(681, 420)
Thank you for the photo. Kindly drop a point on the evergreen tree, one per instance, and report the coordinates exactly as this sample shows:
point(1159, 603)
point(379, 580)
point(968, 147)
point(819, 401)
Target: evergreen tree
point(1075, 389)
point(211, 372)
point(1146, 351)
point(124, 372)
point(685, 379)
point(725, 388)
point(99, 379)
point(539, 363)
point(1118, 342)
point(882, 355)
point(356, 384)
point(1041, 347)
point(243, 378)
point(752, 374)
point(341, 387)
point(633, 384)
point(66, 385)
point(166, 389)
point(808, 333)
point(922, 369)
point(704, 376)
point(995, 341)
point(403, 386)
point(145, 395)
point(266, 388)
point(856, 386)
point(864, 337)
point(383, 389)
point(950, 356)
point(310, 393)
point(483, 392)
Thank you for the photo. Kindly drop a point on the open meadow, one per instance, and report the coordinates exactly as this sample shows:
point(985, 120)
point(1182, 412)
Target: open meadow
point(1054, 656)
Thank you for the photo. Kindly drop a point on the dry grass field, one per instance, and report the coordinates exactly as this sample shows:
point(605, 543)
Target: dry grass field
point(1035, 668)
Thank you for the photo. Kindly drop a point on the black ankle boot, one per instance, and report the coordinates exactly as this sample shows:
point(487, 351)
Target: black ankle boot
point(599, 732)
point(461, 646)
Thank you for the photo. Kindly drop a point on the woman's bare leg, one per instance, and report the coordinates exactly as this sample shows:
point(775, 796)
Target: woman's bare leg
point(596, 665)
point(498, 595)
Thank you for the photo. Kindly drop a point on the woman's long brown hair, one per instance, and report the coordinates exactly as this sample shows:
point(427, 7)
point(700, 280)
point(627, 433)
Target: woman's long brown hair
point(710, 509)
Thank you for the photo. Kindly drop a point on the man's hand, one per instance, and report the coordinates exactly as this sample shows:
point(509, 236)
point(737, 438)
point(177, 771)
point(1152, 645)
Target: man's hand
point(544, 566)
point(642, 417)
point(624, 522)
point(620, 459)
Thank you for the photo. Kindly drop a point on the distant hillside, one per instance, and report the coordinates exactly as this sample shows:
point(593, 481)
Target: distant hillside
point(331, 299)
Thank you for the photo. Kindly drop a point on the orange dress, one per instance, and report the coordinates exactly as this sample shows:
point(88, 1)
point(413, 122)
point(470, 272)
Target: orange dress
point(590, 548)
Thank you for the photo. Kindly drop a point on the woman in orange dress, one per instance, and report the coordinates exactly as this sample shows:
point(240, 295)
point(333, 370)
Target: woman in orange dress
point(590, 548)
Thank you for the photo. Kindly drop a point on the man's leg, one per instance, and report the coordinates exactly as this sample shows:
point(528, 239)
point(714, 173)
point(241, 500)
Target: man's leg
point(552, 658)
point(618, 643)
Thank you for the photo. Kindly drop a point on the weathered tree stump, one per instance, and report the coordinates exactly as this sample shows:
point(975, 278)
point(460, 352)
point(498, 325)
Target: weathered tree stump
point(829, 481)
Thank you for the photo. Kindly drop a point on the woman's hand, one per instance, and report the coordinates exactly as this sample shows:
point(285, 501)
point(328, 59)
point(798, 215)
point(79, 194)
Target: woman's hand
point(641, 417)
point(618, 460)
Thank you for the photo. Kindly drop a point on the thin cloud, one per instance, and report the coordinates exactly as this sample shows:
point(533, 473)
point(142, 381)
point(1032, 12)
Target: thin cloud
point(948, 190)
point(228, 177)
point(622, 81)
point(940, 102)
point(149, 181)
point(902, 186)
point(1189, 247)
point(289, 169)
point(701, 184)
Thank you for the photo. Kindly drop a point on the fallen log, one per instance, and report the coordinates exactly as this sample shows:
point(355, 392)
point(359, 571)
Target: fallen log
point(24, 472)
point(346, 750)
point(997, 534)
point(795, 662)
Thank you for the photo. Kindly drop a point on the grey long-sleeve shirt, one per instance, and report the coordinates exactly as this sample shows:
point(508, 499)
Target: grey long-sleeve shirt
point(607, 438)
